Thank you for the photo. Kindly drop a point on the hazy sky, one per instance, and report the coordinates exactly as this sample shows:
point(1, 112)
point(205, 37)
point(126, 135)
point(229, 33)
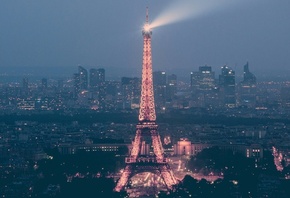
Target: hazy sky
point(51, 34)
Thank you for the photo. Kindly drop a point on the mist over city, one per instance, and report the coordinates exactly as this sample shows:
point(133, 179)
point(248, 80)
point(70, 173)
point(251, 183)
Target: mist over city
point(166, 98)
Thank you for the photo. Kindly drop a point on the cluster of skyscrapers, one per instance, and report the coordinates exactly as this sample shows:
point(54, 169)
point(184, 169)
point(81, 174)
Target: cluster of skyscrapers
point(204, 91)
point(84, 80)
point(89, 89)
point(124, 94)
point(224, 91)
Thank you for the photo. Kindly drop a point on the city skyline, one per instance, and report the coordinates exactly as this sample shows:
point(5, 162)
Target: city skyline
point(61, 35)
point(16, 75)
point(174, 131)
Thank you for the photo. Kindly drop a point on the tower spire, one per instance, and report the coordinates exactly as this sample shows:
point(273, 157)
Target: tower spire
point(147, 105)
point(147, 15)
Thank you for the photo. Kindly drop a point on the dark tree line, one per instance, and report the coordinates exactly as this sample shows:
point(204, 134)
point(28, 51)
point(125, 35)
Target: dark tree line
point(84, 174)
point(242, 177)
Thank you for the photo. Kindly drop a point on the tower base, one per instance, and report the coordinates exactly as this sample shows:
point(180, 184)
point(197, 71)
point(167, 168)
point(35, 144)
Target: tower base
point(146, 164)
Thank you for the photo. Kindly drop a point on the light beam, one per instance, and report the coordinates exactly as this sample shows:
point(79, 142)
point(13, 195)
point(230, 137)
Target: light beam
point(190, 9)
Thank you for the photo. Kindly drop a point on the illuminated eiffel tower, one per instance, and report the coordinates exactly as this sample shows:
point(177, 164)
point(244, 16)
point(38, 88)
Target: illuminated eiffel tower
point(147, 127)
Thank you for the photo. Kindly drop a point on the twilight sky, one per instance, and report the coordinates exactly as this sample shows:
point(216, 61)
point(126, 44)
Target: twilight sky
point(57, 35)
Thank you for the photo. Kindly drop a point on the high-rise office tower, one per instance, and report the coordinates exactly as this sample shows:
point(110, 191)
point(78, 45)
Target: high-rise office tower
point(159, 85)
point(159, 78)
point(206, 78)
point(112, 98)
point(194, 81)
point(130, 92)
point(248, 88)
point(203, 80)
point(227, 84)
point(77, 86)
point(101, 75)
point(80, 81)
point(83, 76)
point(97, 77)
point(141, 161)
point(203, 86)
point(93, 78)
point(248, 76)
point(171, 88)
point(98, 86)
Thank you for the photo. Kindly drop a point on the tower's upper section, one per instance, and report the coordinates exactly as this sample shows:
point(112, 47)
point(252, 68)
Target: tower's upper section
point(248, 76)
point(147, 105)
point(146, 28)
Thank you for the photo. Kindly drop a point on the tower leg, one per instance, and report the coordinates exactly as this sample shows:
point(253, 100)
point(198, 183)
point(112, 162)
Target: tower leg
point(157, 145)
point(168, 176)
point(124, 178)
point(136, 144)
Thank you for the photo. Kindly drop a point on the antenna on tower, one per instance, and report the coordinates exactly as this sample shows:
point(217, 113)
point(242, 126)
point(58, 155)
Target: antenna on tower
point(147, 15)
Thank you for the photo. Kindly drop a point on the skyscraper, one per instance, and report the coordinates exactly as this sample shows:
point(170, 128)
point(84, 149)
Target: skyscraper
point(159, 79)
point(76, 82)
point(248, 88)
point(203, 86)
point(80, 81)
point(203, 80)
point(227, 84)
point(83, 76)
point(130, 92)
point(97, 77)
point(194, 81)
point(171, 88)
point(206, 78)
point(248, 76)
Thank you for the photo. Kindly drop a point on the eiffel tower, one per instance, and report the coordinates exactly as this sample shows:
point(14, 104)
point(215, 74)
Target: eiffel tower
point(146, 128)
